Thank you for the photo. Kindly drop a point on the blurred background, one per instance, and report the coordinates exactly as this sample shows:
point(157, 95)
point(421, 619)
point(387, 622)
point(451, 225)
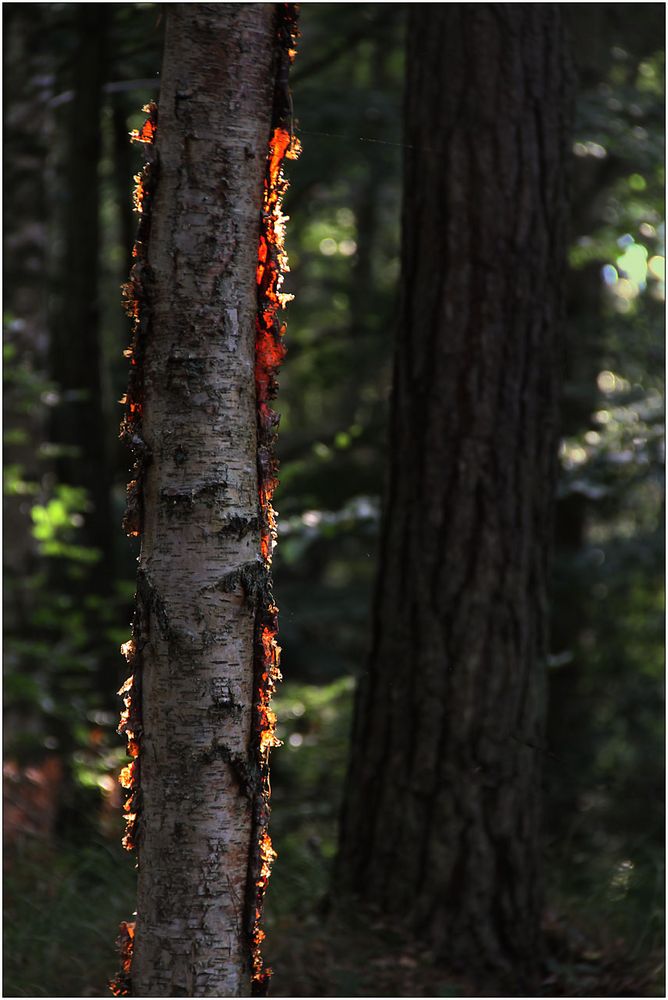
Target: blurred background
point(76, 77)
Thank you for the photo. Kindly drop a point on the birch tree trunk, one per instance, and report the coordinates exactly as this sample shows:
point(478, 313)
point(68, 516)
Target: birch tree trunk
point(193, 424)
point(440, 827)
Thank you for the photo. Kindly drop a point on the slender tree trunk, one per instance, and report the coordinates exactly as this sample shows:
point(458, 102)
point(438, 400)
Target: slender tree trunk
point(440, 826)
point(28, 132)
point(79, 420)
point(29, 80)
point(204, 609)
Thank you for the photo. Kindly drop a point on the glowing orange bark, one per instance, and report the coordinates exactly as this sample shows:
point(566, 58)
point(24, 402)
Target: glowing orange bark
point(120, 986)
point(134, 297)
point(269, 353)
point(130, 721)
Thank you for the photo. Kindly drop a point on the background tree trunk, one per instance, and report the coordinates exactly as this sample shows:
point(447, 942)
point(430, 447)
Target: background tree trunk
point(28, 134)
point(201, 531)
point(80, 420)
point(441, 821)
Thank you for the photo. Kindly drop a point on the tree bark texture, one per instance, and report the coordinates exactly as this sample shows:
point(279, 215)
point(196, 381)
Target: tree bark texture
point(440, 827)
point(196, 785)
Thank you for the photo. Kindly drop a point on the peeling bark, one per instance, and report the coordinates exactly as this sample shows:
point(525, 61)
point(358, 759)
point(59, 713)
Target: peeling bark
point(440, 827)
point(200, 501)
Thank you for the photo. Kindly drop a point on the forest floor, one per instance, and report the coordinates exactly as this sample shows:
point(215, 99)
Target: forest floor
point(337, 958)
point(63, 904)
point(64, 898)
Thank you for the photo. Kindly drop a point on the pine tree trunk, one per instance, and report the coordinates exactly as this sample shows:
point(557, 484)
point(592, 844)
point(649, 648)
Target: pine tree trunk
point(440, 827)
point(201, 535)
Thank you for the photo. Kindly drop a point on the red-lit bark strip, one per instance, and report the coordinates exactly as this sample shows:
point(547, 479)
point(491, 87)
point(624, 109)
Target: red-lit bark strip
point(135, 296)
point(269, 352)
point(120, 984)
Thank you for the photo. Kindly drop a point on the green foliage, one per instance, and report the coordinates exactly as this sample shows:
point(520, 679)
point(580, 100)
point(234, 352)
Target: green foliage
point(605, 776)
point(55, 521)
point(307, 778)
point(57, 628)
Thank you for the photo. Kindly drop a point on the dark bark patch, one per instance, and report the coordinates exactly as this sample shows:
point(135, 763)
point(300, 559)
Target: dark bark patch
point(208, 494)
point(253, 579)
point(244, 771)
point(222, 696)
point(237, 526)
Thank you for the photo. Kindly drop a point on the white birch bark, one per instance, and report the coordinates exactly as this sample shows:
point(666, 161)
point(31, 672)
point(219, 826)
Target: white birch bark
point(201, 529)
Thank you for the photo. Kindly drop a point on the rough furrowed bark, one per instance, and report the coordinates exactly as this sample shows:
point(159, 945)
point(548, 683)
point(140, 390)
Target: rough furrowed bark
point(441, 824)
point(204, 295)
